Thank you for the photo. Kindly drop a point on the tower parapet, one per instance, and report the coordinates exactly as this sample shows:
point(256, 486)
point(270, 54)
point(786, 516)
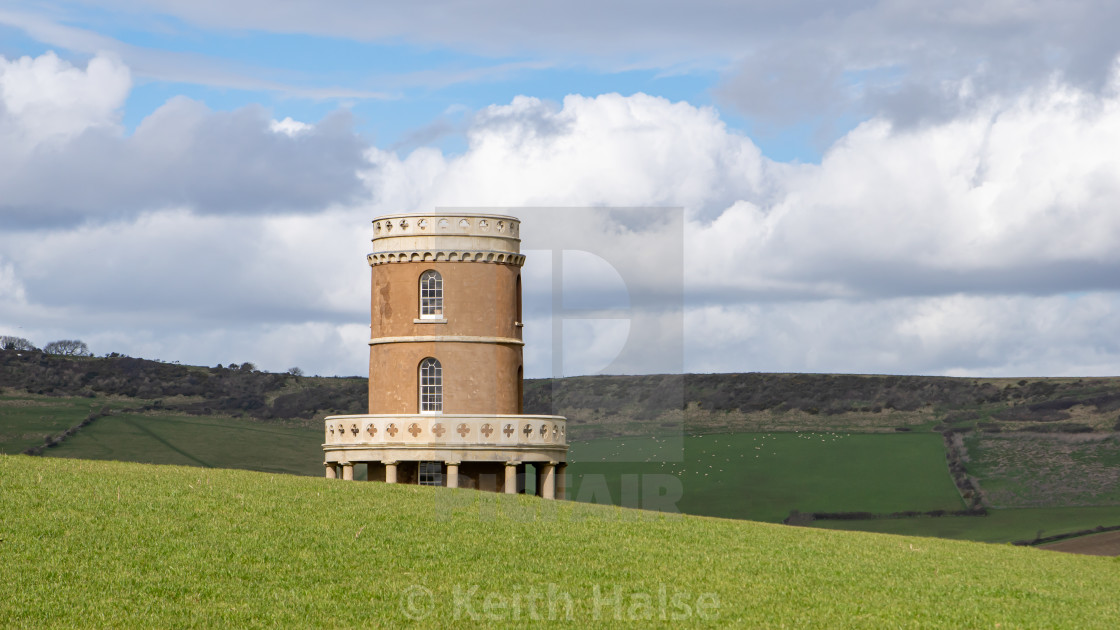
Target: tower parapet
point(453, 237)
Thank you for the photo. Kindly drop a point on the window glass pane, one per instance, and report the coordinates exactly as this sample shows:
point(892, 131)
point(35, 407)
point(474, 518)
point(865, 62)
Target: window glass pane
point(431, 295)
point(431, 474)
point(431, 386)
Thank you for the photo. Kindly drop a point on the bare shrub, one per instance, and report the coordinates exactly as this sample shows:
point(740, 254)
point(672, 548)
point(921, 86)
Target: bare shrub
point(68, 348)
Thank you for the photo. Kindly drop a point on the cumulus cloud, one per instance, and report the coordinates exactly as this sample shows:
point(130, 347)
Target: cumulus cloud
point(67, 160)
point(952, 335)
point(45, 99)
point(288, 126)
point(1016, 197)
point(608, 150)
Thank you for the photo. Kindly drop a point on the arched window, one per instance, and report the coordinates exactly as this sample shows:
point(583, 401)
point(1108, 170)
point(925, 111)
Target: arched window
point(431, 386)
point(431, 295)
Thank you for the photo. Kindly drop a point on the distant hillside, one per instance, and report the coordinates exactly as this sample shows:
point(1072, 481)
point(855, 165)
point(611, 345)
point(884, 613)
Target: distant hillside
point(599, 406)
point(188, 389)
point(629, 405)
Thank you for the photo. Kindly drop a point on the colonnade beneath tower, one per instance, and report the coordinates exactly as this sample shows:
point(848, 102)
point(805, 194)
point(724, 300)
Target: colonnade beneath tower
point(550, 477)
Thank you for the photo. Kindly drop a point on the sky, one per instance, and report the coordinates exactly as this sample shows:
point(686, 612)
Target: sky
point(897, 187)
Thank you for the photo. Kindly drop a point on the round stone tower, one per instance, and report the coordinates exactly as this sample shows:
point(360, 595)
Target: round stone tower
point(446, 369)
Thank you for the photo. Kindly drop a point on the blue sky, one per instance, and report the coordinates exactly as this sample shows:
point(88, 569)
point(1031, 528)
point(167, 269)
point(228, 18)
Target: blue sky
point(893, 186)
point(412, 87)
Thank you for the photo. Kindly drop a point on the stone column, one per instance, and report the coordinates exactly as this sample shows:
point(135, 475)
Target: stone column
point(390, 472)
point(332, 472)
point(347, 471)
point(548, 485)
point(511, 477)
point(562, 480)
point(452, 474)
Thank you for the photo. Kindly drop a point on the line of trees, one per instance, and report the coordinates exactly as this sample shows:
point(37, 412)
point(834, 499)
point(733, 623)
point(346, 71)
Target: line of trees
point(16, 343)
point(62, 347)
point(78, 348)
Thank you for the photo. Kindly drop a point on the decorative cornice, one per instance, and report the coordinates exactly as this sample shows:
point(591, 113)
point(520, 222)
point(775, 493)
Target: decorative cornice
point(442, 255)
point(446, 339)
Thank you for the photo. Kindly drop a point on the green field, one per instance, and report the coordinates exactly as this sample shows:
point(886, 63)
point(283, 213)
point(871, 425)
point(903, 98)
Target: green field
point(26, 420)
point(207, 441)
point(101, 544)
point(1006, 525)
point(1047, 470)
point(763, 476)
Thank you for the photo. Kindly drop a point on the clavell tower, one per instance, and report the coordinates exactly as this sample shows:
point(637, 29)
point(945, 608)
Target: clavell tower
point(445, 363)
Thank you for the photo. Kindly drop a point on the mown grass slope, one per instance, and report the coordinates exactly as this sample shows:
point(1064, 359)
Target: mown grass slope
point(96, 544)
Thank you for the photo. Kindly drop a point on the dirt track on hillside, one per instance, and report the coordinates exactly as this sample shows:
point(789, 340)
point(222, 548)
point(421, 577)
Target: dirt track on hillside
point(1106, 544)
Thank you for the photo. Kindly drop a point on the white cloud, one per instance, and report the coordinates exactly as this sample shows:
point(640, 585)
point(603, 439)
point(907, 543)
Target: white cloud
point(607, 150)
point(953, 335)
point(288, 126)
point(47, 99)
point(66, 161)
point(1017, 197)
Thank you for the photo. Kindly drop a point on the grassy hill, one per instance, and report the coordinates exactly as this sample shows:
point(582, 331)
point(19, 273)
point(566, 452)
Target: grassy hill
point(97, 544)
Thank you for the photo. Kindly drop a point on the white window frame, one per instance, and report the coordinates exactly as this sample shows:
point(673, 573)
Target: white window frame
point(430, 379)
point(431, 295)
